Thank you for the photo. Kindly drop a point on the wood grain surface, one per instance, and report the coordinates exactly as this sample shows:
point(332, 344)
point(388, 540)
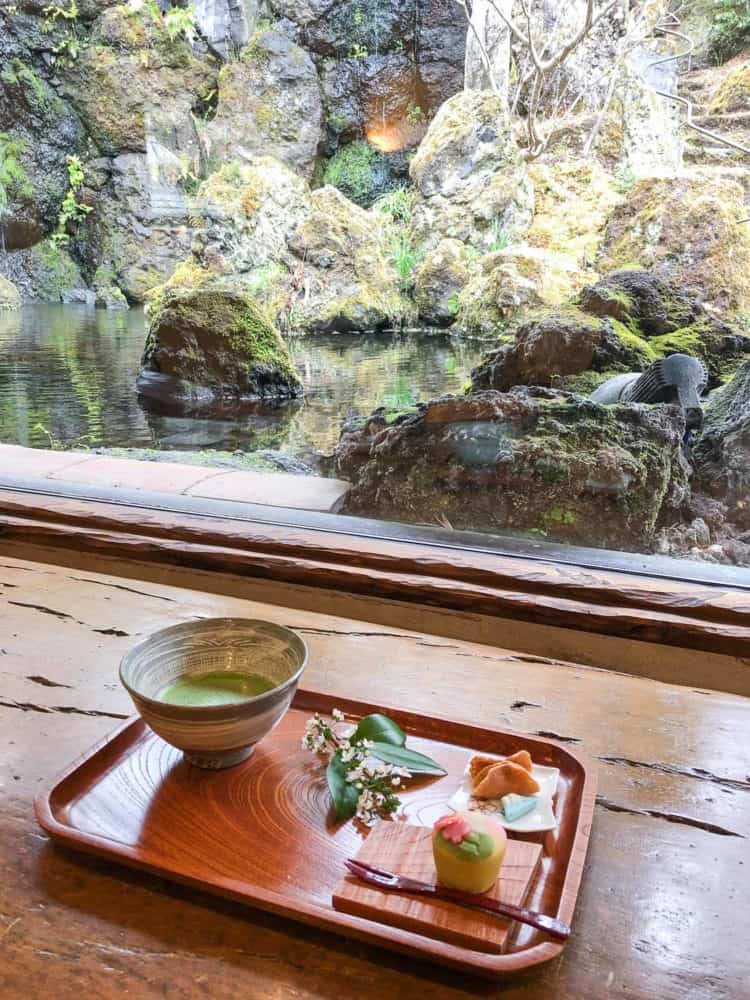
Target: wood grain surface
point(264, 833)
point(673, 612)
point(663, 909)
point(407, 850)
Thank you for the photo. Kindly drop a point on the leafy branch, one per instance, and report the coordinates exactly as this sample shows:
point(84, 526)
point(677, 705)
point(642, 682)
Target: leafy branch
point(367, 765)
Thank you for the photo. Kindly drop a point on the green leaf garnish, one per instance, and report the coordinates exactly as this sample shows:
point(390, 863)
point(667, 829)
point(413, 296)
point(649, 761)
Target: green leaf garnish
point(343, 792)
point(417, 763)
point(380, 729)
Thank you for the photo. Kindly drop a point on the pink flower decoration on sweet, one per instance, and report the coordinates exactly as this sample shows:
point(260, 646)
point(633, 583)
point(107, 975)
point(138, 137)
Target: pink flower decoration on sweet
point(454, 827)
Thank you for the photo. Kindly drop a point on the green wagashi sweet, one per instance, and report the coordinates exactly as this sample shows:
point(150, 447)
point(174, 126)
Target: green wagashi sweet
point(468, 849)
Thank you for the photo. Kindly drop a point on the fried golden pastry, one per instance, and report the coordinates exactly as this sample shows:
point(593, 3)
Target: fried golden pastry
point(504, 777)
point(479, 764)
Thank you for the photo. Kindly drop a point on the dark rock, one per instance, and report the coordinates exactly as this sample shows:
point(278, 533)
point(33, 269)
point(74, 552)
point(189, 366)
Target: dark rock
point(213, 342)
point(550, 345)
point(527, 460)
point(643, 298)
point(269, 102)
point(39, 130)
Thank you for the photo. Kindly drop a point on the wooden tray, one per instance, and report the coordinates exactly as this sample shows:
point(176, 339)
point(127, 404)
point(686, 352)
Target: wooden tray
point(263, 833)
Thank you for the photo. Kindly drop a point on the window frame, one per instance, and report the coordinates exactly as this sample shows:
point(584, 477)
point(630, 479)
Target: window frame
point(645, 598)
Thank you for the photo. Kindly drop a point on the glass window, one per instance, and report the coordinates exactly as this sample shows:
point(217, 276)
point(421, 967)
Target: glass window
point(420, 263)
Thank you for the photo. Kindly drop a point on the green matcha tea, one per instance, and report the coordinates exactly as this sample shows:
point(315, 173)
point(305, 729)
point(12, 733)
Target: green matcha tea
point(219, 687)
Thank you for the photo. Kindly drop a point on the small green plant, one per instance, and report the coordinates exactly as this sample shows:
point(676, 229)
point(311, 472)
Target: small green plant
point(337, 121)
point(396, 203)
point(404, 259)
point(624, 179)
point(415, 115)
point(453, 306)
point(57, 444)
point(730, 28)
point(499, 237)
point(358, 51)
point(71, 210)
point(179, 22)
point(62, 21)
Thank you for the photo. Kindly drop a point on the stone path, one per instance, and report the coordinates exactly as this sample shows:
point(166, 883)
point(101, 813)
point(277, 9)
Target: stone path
point(277, 489)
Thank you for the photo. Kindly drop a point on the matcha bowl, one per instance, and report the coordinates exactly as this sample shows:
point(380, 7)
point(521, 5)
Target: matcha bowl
point(214, 688)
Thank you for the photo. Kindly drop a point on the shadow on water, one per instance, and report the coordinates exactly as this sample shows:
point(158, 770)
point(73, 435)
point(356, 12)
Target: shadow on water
point(67, 378)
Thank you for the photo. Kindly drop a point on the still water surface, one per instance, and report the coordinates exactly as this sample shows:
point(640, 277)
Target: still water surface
point(67, 377)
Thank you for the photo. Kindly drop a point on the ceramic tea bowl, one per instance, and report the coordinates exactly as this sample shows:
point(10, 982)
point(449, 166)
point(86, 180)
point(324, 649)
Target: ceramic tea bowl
point(214, 736)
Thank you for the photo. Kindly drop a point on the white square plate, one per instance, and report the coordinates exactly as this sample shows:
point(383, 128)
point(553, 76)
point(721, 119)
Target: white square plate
point(542, 817)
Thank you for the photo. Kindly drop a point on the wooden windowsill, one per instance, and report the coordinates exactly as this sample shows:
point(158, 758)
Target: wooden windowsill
point(425, 570)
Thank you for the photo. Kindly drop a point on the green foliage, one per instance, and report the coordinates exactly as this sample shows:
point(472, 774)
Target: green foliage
point(499, 237)
point(624, 179)
point(351, 169)
point(397, 203)
point(358, 51)
point(179, 22)
point(61, 20)
point(403, 258)
point(71, 210)
point(379, 728)
point(14, 181)
point(730, 28)
point(453, 305)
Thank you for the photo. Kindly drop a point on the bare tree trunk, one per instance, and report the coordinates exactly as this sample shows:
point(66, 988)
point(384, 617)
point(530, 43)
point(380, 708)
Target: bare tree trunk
point(488, 47)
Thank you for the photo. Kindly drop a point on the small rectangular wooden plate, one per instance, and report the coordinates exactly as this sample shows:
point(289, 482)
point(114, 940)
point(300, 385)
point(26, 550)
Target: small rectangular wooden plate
point(408, 851)
point(263, 833)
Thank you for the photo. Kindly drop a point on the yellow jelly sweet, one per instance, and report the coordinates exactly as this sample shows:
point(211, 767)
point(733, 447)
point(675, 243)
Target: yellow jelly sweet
point(468, 849)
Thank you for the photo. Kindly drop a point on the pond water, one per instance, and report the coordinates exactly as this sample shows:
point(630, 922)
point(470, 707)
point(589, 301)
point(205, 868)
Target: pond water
point(67, 378)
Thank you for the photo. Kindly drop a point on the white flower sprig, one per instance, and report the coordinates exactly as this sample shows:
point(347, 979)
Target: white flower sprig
point(373, 780)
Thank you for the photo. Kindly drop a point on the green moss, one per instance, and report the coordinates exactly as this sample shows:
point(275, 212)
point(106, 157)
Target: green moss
point(633, 341)
point(351, 170)
point(685, 341)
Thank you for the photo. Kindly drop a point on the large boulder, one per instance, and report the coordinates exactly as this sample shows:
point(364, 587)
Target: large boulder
point(552, 345)
point(439, 279)
point(345, 275)
point(666, 319)
point(471, 180)
point(246, 213)
point(226, 25)
point(10, 297)
point(132, 74)
point(45, 272)
point(527, 460)
point(687, 231)
point(269, 104)
point(507, 284)
point(722, 453)
point(208, 340)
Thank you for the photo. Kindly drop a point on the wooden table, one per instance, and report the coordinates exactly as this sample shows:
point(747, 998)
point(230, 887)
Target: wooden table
point(665, 903)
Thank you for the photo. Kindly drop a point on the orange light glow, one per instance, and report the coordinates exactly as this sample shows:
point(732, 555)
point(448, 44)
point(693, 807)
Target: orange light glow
point(387, 138)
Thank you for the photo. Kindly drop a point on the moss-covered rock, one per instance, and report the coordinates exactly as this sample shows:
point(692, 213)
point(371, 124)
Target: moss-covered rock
point(132, 74)
point(246, 212)
point(10, 297)
point(551, 345)
point(507, 284)
point(573, 200)
point(686, 231)
point(733, 93)
point(268, 104)
point(439, 279)
point(43, 273)
point(212, 340)
point(528, 460)
point(663, 319)
point(345, 278)
point(470, 177)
